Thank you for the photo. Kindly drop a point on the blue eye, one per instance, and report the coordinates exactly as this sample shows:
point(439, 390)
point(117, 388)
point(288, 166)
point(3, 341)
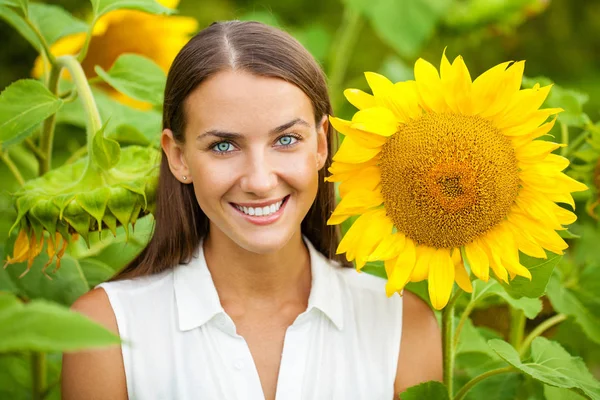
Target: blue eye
point(222, 147)
point(287, 140)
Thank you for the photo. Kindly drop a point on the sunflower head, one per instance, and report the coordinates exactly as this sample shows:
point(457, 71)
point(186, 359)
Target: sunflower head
point(448, 177)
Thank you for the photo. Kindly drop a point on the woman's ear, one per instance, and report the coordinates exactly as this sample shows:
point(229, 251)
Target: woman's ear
point(176, 157)
point(322, 145)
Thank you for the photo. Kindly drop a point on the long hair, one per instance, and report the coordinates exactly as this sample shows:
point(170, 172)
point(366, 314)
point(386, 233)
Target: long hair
point(259, 49)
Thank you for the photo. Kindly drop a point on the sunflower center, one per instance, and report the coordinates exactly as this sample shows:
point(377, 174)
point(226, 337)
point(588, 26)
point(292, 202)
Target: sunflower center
point(446, 179)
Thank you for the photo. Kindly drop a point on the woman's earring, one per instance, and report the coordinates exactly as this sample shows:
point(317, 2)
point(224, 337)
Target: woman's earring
point(184, 178)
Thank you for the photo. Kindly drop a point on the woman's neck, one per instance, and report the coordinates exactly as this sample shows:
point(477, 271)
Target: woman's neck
point(243, 277)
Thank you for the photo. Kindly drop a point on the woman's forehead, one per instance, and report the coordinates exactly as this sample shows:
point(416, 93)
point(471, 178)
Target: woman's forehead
point(239, 100)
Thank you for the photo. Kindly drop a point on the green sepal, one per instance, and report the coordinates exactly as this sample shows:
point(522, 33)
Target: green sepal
point(135, 215)
point(23, 205)
point(36, 225)
point(47, 213)
point(121, 204)
point(94, 202)
point(111, 222)
point(105, 152)
point(78, 219)
point(61, 202)
point(139, 187)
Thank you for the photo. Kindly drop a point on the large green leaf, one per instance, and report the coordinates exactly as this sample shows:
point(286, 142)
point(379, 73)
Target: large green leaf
point(101, 7)
point(531, 307)
point(431, 390)
point(404, 26)
point(96, 271)
point(540, 269)
point(15, 376)
point(554, 393)
point(54, 22)
point(67, 284)
point(472, 340)
point(552, 365)
point(578, 303)
point(23, 105)
point(44, 326)
point(137, 77)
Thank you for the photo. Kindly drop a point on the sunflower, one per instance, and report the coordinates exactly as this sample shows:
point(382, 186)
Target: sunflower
point(447, 177)
point(157, 37)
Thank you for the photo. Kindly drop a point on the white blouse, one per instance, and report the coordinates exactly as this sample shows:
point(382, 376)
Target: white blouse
point(181, 344)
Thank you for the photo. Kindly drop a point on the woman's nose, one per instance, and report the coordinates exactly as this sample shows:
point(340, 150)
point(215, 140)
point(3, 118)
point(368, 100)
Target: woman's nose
point(259, 177)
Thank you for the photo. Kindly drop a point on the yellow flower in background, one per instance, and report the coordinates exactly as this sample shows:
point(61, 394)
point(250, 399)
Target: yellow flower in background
point(446, 172)
point(157, 37)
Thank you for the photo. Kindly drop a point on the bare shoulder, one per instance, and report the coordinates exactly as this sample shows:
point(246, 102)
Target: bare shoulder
point(98, 373)
point(420, 358)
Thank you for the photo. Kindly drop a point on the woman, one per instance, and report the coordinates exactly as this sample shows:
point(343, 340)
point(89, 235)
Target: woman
point(237, 295)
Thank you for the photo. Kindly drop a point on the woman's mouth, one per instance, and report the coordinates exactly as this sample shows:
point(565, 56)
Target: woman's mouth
point(263, 213)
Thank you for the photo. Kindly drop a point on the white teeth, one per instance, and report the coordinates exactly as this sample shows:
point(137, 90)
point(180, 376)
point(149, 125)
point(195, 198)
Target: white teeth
point(261, 211)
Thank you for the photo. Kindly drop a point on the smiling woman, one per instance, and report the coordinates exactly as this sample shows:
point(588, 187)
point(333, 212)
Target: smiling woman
point(239, 294)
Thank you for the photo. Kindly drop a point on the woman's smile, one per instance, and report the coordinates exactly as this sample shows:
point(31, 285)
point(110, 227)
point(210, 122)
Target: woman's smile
point(261, 213)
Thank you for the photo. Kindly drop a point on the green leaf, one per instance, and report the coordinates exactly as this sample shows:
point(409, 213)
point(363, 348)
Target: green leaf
point(17, 22)
point(554, 393)
point(552, 365)
point(23, 105)
point(472, 341)
point(404, 27)
point(54, 22)
point(9, 3)
point(576, 303)
point(44, 326)
point(96, 271)
point(375, 268)
point(137, 77)
point(66, 285)
point(431, 390)
point(105, 152)
point(499, 387)
point(101, 7)
point(531, 307)
point(540, 269)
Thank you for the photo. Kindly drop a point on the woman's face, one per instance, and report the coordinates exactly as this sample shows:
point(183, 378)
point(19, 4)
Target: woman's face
point(252, 152)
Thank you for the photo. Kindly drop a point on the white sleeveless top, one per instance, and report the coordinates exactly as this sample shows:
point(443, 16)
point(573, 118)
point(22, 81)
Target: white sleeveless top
point(180, 343)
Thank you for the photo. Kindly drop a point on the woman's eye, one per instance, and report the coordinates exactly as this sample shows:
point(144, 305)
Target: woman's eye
point(223, 147)
point(287, 140)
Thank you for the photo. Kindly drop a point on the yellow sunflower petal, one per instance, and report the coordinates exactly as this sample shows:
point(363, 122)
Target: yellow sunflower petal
point(441, 278)
point(478, 260)
point(423, 254)
point(524, 103)
point(456, 82)
point(429, 87)
point(354, 203)
point(343, 171)
point(460, 273)
point(377, 120)
point(379, 84)
point(508, 83)
point(401, 269)
point(389, 247)
point(493, 254)
point(352, 153)
point(359, 99)
point(526, 243)
point(362, 138)
point(367, 179)
point(535, 120)
point(486, 87)
point(374, 227)
point(547, 238)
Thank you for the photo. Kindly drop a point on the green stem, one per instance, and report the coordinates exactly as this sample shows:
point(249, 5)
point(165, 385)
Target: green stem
point(448, 342)
point(86, 45)
point(344, 43)
point(579, 140)
point(84, 92)
point(564, 135)
point(541, 328)
point(517, 327)
point(463, 318)
point(36, 150)
point(42, 40)
point(12, 167)
point(38, 375)
point(469, 385)
point(47, 138)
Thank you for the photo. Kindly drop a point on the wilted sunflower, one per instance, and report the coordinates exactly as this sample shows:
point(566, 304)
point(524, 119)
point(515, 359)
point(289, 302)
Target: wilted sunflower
point(157, 37)
point(446, 172)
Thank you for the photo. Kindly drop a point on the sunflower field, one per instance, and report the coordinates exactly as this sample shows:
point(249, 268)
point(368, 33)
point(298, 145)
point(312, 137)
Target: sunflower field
point(468, 171)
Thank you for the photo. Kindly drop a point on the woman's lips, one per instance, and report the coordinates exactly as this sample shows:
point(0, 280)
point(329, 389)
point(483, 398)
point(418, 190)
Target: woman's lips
point(263, 219)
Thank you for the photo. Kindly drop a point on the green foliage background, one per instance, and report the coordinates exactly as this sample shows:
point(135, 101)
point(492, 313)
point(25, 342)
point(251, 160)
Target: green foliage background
point(560, 39)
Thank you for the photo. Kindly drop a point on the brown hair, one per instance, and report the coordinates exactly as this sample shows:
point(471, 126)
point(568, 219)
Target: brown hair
point(261, 50)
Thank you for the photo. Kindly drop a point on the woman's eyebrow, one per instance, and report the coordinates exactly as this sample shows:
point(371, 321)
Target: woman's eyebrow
point(233, 135)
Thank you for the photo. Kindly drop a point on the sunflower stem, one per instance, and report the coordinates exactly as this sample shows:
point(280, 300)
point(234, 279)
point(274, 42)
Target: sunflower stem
point(541, 328)
point(84, 92)
point(448, 341)
point(343, 44)
point(12, 167)
point(86, 45)
point(47, 137)
point(564, 135)
point(469, 385)
point(38, 375)
point(517, 327)
point(43, 43)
